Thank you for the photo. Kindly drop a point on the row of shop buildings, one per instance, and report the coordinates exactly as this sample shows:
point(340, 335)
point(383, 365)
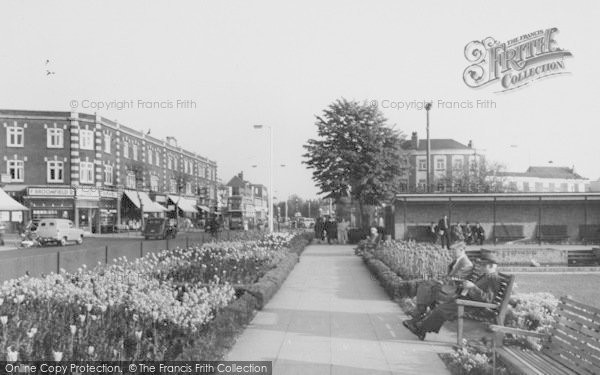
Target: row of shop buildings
point(100, 174)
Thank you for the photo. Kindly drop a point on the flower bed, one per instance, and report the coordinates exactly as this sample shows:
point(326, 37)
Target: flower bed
point(151, 308)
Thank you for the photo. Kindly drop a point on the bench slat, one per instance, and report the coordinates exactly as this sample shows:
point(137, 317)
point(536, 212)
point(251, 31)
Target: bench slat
point(569, 301)
point(580, 331)
point(575, 347)
point(574, 363)
point(579, 317)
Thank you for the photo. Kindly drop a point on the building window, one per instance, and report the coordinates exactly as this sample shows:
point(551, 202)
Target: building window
point(539, 187)
point(157, 159)
point(16, 170)
point(154, 183)
point(134, 150)
point(422, 164)
point(15, 136)
point(150, 161)
point(172, 186)
point(107, 143)
point(207, 173)
point(175, 163)
point(169, 162)
point(422, 185)
point(551, 187)
point(458, 164)
point(130, 180)
point(126, 150)
point(440, 164)
point(526, 186)
point(55, 171)
point(188, 188)
point(108, 174)
point(86, 139)
point(55, 138)
point(86, 172)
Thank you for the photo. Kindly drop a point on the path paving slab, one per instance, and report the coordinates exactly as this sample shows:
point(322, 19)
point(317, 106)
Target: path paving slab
point(331, 317)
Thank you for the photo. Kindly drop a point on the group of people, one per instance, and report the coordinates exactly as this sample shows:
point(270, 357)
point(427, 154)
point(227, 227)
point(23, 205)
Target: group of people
point(332, 230)
point(448, 234)
point(436, 299)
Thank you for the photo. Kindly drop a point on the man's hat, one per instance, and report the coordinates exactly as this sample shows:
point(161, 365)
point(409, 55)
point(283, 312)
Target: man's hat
point(488, 258)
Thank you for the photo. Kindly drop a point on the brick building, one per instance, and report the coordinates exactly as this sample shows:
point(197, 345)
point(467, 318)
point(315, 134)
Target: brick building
point(97, 172)
point(449, 160)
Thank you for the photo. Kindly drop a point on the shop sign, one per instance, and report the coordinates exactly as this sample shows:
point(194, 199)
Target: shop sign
point(160, 198)
point(109, 194)
point(87, 193)
point(50, 192)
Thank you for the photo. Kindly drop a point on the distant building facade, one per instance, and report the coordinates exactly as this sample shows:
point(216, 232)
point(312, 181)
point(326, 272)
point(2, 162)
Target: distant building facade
point(247, 203)
point(544, 180)
point(450, 161)
point(97, 172)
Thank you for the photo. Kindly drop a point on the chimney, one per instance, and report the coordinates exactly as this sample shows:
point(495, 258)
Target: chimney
point(470, 145)
point(414, 140)
point(241, 175)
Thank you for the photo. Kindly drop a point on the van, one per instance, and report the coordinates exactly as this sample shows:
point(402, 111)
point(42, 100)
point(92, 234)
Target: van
point(58, 231)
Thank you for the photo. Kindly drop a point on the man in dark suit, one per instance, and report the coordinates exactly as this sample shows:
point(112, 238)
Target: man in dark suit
point(444, 230)
point(484, 289)
point(479, 234)
point(430, 292)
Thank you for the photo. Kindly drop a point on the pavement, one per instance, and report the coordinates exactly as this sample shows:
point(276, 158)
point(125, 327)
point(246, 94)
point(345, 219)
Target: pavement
point(331, 317)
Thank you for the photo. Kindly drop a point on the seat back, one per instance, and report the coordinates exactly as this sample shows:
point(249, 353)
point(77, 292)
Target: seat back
point(575, 338)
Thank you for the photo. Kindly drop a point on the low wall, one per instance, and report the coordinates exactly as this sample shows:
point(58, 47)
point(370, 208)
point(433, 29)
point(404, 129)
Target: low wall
point(523, 256)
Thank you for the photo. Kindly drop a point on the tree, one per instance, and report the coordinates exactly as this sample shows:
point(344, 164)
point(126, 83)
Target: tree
point(356, 154)
point(482, 177)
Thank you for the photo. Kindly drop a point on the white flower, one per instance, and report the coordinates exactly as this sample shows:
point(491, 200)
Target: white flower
point(73, 329)
point(90, 350)
point(138, 335)
point(1, 301)
point(88, 307)
point(11, 356)
point(3, 319)
point(82, 318)
point(57, 356)
point(32, 332)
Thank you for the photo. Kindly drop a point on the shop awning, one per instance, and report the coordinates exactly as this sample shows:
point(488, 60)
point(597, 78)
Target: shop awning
point(203, 208)
point(184, 204)
point(14, 188)
point(9, 204)
point(149, 205)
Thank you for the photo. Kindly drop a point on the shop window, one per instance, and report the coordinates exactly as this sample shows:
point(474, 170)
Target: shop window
point(55, 138)
point(86, 139)
point(86, 172)
point(108, 174)
point(15, 136)
point(55, 171)
point(16, 170)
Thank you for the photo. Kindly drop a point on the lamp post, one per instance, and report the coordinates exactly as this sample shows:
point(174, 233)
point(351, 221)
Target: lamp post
point(270, 174)
point(427, 109)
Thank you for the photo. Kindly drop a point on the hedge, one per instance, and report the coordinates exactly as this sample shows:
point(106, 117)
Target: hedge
point(393, 284)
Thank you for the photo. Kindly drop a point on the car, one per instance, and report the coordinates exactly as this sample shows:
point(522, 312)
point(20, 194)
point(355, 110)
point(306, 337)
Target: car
point(159, 228)
point(58, 231)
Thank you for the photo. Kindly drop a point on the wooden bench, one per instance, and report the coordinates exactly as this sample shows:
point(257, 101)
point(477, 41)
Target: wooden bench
point(494, 312)
point(571, 347)
point(509, 232)
point(552, 233)
point(589, 233)
point(418, 233)
point(577, 258)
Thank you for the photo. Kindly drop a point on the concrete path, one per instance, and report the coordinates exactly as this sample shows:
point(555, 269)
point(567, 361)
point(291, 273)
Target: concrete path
point(331, 317)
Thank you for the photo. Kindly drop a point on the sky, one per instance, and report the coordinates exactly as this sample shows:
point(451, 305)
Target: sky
point(240, 63)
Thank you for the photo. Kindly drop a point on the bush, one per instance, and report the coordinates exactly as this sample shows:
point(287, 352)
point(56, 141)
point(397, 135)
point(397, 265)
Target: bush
point(532, 312)
point(471, 361)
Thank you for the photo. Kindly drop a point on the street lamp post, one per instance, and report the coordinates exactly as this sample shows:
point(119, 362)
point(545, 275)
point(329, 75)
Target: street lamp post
point(427, 109)
point(270, 174)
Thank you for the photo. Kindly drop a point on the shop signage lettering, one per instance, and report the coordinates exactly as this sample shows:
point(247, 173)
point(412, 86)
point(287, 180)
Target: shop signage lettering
point(51, 192)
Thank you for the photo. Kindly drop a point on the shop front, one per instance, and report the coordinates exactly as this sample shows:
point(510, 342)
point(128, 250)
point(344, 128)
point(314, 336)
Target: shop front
point(132, 206)
point(87, 207)
point(50, 202)
point(185, 208)
point(109, 203)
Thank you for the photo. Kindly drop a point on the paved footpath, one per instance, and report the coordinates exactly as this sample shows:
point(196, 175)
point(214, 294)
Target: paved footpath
point(331, 317)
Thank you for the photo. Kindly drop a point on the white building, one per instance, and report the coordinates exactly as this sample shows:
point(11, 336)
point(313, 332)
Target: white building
point(544, 180)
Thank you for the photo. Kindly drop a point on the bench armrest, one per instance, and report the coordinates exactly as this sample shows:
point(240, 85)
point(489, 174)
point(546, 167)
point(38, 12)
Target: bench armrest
point(466, 302)
point(517, 331)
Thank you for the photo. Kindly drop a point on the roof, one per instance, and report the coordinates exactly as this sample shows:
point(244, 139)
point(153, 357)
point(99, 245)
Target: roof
point(436, 144)
point(545, 172)
point(236, 181)
point(511, 197)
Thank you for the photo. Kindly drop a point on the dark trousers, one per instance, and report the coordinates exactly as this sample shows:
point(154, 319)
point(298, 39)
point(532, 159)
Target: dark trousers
point(445, 238)
point(434, 321)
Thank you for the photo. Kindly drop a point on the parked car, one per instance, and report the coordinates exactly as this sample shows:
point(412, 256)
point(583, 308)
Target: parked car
point(58, 231)
point(159, 228)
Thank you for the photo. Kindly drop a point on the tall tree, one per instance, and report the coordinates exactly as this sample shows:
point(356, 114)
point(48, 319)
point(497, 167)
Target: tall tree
point(356, 154)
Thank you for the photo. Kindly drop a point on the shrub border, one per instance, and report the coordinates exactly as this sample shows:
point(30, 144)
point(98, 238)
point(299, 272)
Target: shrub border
point(219, 334)
point(394, 285)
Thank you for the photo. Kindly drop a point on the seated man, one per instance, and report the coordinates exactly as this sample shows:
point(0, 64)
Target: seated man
point(483, 290)
point(431, 291)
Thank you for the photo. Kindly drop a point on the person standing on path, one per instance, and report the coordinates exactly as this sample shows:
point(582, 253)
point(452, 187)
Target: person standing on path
point(444, 229)
point(343, 232)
